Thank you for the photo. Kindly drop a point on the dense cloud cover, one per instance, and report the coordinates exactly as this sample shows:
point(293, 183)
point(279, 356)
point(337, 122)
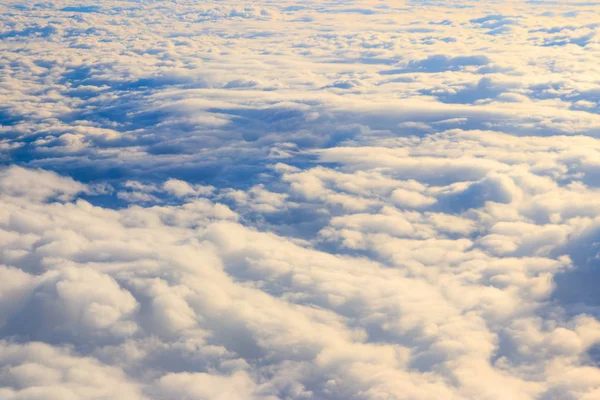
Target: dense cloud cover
point(371, 200)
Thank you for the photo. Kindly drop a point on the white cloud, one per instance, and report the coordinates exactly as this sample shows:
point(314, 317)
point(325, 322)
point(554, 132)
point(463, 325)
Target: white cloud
point(37, 185)
point(200, 386)
point(40, 371)
point(181, 188)
point(430, 232)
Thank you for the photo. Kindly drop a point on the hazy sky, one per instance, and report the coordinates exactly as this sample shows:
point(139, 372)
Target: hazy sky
point(276, 200)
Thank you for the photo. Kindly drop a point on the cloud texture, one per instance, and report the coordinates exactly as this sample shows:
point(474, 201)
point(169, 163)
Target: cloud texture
point(340, 200)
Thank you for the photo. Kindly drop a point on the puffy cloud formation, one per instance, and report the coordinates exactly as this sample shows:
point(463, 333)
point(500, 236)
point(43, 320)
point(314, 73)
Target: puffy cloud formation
point(337, 200)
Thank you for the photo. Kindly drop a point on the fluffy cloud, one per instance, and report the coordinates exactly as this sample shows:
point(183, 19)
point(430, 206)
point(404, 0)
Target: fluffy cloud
point(276, 202)
point(41, 371)
point(38, 185)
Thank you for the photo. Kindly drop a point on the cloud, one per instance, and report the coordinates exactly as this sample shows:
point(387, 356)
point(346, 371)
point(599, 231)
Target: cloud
point(38, 185)
point(181, 188)
point(40, 371)
point(277, 202)
point(204, 386)
point(143, 282)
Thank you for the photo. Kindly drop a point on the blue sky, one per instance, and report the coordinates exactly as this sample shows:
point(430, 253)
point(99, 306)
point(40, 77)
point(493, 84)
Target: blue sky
point(330, 200)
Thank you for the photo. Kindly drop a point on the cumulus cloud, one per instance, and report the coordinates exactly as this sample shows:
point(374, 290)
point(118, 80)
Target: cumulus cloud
point(41, 371)
point(181, 188)
point(38, 185)
point(275, 202)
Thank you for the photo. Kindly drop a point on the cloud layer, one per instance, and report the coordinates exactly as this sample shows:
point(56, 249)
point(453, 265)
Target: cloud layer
point(358, 200)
